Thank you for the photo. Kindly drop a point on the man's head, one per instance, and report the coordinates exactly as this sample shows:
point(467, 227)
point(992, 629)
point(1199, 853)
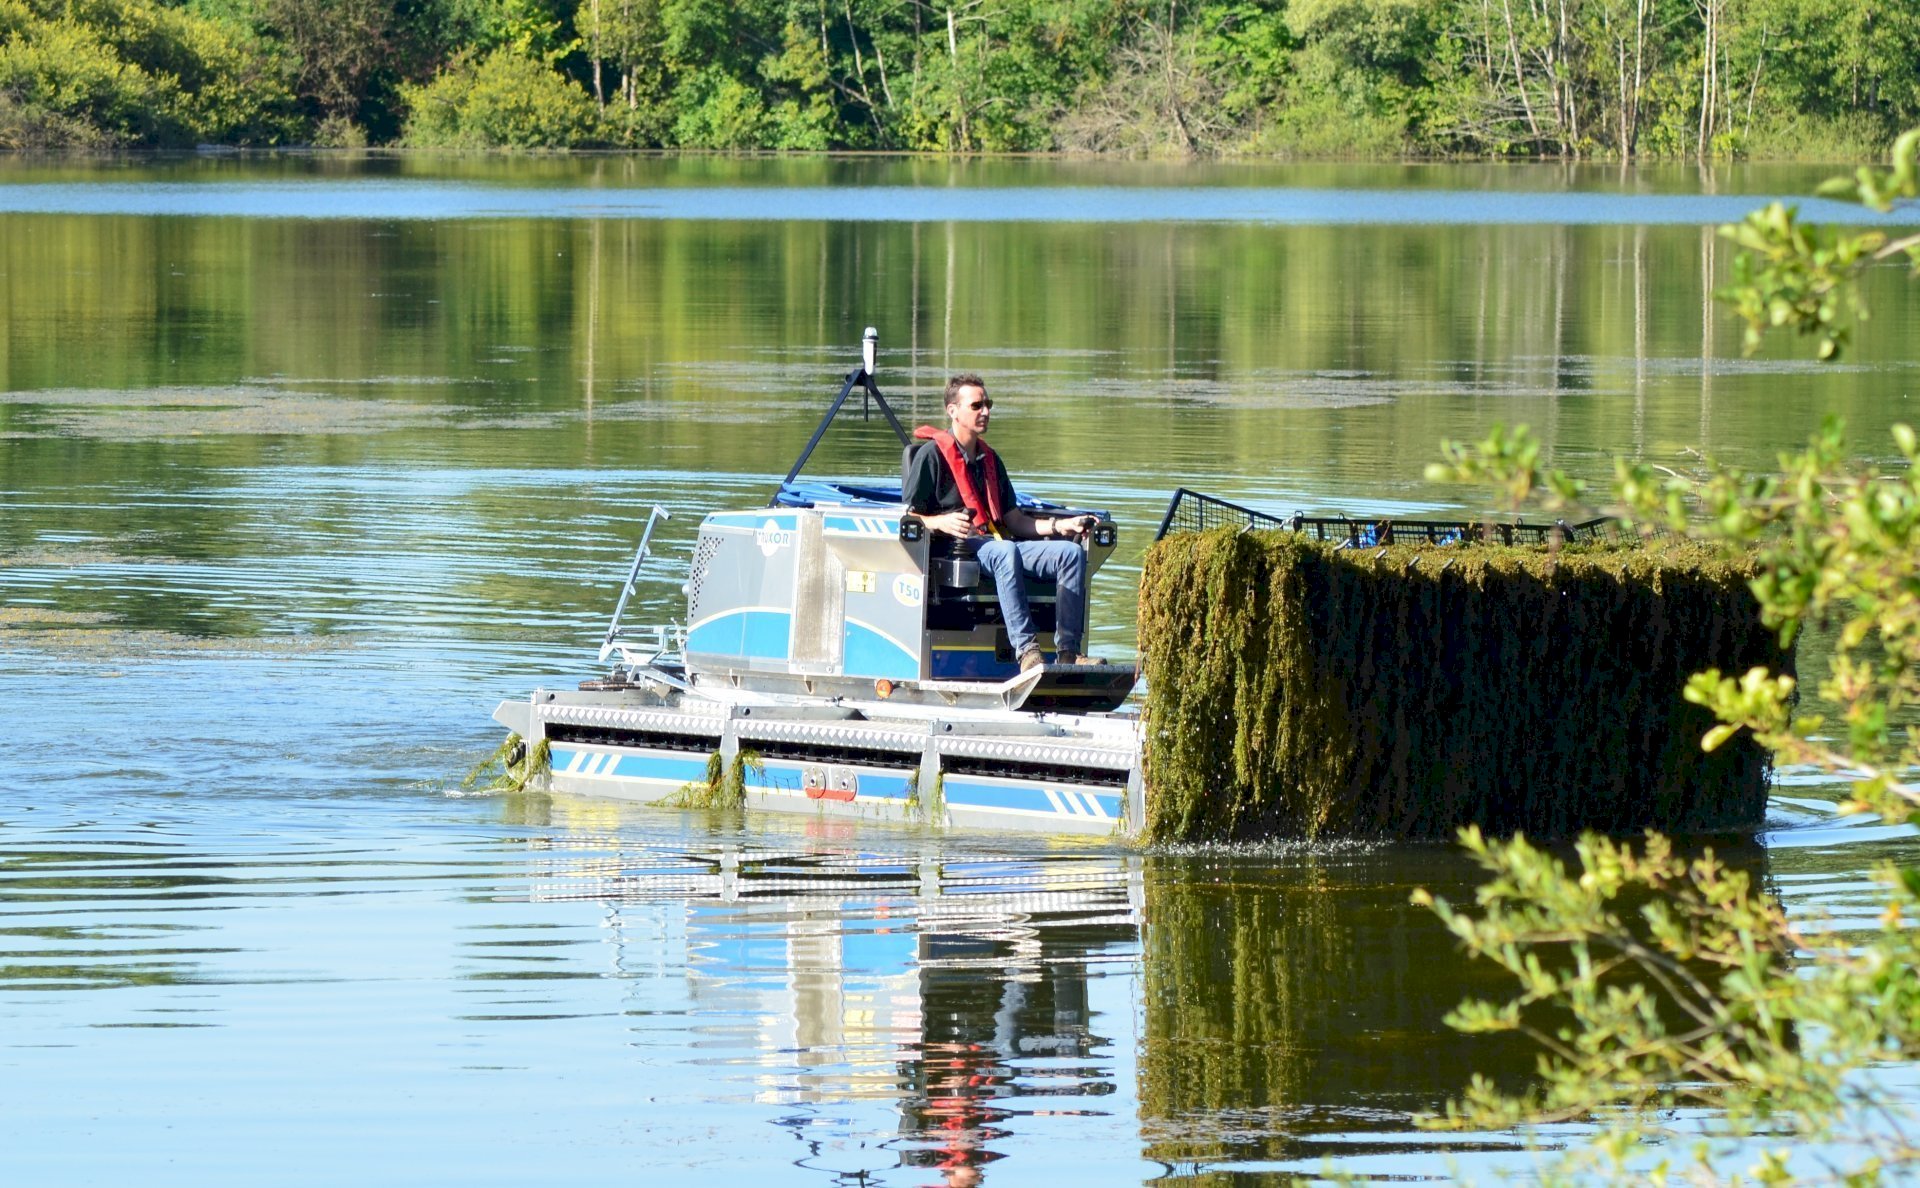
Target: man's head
point(969, 408)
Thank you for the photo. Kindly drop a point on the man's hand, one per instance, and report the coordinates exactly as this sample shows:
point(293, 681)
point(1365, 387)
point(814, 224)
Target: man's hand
point(1074, 527)
point(954, 523)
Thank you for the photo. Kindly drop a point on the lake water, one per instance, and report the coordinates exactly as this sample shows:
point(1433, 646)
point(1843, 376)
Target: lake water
point(306, 461)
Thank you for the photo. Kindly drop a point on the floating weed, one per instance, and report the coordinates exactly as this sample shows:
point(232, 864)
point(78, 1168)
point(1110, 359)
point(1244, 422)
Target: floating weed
point(511, 768)
point(90, 634)
point(725, 786)
point(934, 806)
point(44, 616)
point(186, 412)
point(1298, 691)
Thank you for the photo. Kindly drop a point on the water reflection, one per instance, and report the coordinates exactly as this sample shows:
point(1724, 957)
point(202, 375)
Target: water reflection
point(1291, 1005)
point(952, 987)
point(826, 1004)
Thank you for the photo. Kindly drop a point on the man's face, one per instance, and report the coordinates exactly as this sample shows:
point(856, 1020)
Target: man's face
point(971, 408)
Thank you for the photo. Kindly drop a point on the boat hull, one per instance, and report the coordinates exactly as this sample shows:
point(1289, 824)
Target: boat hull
point(1049, 774)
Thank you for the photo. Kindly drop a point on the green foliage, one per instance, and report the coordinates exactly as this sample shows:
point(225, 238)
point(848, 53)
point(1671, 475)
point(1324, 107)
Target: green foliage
point(344, 54)
point(505, 100)
point(804, 119)
point(1800, 276)
point(1295, 689)
point(1829, 541)
point(720, 111)
point(1839, 543)
point(93, 74)
point(1223, 77)
point(1652, 984)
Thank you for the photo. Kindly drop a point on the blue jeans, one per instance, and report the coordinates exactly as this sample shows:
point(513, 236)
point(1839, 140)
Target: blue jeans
point(1062, 562)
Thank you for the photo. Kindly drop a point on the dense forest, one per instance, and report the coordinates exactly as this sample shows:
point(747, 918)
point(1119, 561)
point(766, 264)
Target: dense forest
point(1573, 78)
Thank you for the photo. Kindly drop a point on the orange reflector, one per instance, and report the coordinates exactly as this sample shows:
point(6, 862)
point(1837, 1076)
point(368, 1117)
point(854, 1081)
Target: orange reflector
point(883, 688)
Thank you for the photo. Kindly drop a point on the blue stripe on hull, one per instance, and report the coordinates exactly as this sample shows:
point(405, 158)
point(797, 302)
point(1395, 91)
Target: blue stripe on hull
point(673, 768)
point(1075, 801)
point(780, 785)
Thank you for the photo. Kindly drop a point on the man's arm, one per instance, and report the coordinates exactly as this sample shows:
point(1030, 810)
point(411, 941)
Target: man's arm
point(1024, 526)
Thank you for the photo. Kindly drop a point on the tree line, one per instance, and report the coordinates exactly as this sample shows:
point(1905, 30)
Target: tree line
point(1561, 78)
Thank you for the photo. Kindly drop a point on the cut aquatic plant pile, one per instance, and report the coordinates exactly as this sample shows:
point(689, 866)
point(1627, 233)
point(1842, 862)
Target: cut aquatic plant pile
point(1295, 689)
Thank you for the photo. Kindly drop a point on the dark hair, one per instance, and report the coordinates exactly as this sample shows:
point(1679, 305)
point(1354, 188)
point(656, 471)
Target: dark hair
point(965, 379)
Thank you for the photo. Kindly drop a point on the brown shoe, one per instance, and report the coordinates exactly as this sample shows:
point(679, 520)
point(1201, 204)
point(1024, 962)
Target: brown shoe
point(1076, 658)
point(1031, 659)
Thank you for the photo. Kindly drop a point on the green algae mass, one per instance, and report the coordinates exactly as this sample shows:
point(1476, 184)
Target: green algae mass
point(1298, 691)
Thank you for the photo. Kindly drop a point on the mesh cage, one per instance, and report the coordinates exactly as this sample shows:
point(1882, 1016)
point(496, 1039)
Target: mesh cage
point(1190, 511)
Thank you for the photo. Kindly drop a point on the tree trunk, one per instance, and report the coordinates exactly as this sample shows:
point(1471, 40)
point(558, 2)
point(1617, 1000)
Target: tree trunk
point(860, 69)
point(1639, 61)
point(1709, 70)
point(599, 95)
point(1519, 71)
point(959, 97)
point(1753, 87)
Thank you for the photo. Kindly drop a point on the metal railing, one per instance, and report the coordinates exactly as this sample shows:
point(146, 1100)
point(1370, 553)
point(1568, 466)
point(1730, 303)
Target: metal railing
point(615, 630)
point(1191, 511)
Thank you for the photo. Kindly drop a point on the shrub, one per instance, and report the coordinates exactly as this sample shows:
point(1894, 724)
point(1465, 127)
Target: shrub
point(134, 74)
point(504, 100)
point(720, 112)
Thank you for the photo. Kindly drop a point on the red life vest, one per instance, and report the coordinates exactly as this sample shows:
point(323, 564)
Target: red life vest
point(988, 515)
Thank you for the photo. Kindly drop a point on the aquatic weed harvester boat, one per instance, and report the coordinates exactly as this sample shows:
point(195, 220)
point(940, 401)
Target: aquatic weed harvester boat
point(839, 659)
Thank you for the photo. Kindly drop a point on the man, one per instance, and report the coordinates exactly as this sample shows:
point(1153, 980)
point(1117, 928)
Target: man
point(957, 485)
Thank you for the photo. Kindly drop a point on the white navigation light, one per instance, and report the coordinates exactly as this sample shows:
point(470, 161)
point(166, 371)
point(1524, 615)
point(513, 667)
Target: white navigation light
point(868, 347)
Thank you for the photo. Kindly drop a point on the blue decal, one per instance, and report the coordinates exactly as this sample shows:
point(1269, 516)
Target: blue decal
point(886, 525)
point(1031, 797)
point(756, 634)
point(774, 777)
point(673, 767)
point(867, 653)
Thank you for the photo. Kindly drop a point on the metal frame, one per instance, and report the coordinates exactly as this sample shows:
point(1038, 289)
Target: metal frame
point(1366, 533)
point(861, 377)
point(614, 632)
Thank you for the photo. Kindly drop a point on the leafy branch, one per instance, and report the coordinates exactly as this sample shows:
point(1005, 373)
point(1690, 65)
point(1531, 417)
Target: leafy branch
point(1705, 995)
point(1793, 274)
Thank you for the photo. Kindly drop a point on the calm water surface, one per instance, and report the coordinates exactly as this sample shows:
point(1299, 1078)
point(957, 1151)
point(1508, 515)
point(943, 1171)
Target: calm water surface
point(287, 502)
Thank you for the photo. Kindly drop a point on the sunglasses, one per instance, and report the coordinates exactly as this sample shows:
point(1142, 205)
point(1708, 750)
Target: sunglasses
point(985, 402)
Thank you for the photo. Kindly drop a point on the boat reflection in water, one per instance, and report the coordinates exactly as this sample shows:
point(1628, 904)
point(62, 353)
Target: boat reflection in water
point(954, 989)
